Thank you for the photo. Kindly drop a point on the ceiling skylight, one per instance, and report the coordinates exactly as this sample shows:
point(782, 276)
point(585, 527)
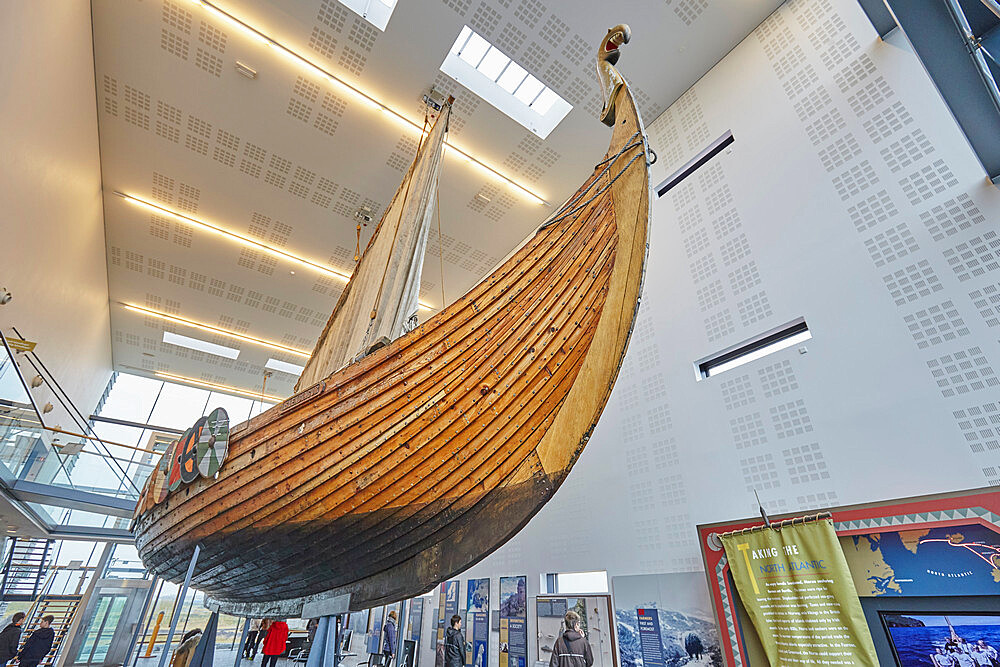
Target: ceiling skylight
point(376, 12)
point(486, 71)
point(200, 345)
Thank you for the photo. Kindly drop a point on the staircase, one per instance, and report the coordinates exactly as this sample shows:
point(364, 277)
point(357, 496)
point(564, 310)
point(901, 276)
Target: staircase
point(24, 569)
point(63, 607)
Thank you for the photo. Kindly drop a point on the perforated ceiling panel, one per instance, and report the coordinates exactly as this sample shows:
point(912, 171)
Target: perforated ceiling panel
point(287, 158)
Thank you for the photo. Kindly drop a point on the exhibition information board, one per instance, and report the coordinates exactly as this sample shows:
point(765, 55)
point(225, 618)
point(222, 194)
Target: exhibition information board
point(799, 594)
point(513, 622)
point(416, 619)
point(447, 606)
point(374, 643)
point(650, 641)
point(477, 609)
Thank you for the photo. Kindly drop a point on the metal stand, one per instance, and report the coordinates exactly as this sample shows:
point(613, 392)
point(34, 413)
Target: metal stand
point(326, 650)
point(243, 642)
point(204, 653)
point(180, 603)
point(338, 621)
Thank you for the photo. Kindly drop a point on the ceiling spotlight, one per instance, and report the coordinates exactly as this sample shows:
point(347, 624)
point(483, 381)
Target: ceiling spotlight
point(37, 382)
point(47, 409)
point(5, 296)
point(365, 214)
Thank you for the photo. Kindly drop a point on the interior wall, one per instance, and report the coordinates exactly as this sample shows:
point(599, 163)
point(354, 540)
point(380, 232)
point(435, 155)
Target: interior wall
point(52, 251)
point(849, 198)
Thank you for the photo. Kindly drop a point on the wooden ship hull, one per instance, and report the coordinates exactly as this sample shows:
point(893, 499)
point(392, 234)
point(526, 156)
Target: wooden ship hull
point(414, 463)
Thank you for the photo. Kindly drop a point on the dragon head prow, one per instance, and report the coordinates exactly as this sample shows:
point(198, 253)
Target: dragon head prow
point(611, 80)
point(620, 34)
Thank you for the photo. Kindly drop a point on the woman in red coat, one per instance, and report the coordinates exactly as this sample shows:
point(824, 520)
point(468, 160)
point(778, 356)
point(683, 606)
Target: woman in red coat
point(274, 642)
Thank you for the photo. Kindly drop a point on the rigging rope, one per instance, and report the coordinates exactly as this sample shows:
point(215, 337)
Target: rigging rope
point(597, 194)
point(579, 195)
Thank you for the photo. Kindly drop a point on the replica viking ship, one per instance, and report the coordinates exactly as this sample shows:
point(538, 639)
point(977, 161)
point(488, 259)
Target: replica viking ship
point(409, 453)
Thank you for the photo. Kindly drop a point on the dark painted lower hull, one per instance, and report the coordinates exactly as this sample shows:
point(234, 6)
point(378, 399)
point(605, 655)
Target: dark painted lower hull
point(446, 535)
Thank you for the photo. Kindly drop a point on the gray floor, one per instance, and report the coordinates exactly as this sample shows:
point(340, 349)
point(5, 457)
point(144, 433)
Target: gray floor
point(224, 657)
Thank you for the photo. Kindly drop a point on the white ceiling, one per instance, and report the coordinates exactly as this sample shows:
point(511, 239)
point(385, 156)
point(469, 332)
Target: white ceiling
point(286, 159)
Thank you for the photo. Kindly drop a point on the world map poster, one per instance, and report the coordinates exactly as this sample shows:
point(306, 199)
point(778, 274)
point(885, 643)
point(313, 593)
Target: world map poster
point(954, 560)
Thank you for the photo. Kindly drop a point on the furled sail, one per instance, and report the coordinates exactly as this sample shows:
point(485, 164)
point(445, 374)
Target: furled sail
point(380, 302)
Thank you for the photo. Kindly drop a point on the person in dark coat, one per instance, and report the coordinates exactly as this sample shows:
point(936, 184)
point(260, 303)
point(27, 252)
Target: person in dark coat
point(10, 637)
point(571, 648)
point(389, 639)
point(454, 644)
point(275, 643)
point(38, 644)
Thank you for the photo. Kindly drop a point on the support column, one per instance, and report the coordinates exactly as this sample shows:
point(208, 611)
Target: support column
point(243, 641)
point(180, 604)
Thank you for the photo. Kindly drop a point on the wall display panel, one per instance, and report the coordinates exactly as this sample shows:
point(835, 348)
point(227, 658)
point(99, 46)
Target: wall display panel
point(373, 645)
point(595, 621)
point(687, 626)
point(415, 623)
point(477, 625)
point(975, 512)
point(513, 621)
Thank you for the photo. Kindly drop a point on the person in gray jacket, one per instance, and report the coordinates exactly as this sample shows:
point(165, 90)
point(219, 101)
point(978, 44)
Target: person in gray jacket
point(571, 648)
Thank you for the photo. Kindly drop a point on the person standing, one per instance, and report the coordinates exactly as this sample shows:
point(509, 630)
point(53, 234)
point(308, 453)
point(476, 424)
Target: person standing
point(38, 644)
point(571, 648)
point(274, 642)
point(389, 639)
point(250, 647)
point(10, 637)
point(454, 644)
point(265, 625)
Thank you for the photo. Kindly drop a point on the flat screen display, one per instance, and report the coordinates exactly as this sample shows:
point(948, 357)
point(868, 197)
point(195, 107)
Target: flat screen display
point(963, 639)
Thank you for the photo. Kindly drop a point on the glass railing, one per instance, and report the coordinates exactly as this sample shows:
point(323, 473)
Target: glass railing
point(74, 457)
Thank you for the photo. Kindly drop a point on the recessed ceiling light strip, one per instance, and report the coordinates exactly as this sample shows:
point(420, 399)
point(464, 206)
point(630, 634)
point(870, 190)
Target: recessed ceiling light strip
point(356, 92)
point(212, 329)
point(242, 240)
point(219, 387)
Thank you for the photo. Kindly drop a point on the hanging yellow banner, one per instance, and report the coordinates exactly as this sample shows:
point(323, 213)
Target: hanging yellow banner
point(19, 344)
point(795, 585)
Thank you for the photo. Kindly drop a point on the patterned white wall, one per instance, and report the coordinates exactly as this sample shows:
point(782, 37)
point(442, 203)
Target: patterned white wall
point(849, 198)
